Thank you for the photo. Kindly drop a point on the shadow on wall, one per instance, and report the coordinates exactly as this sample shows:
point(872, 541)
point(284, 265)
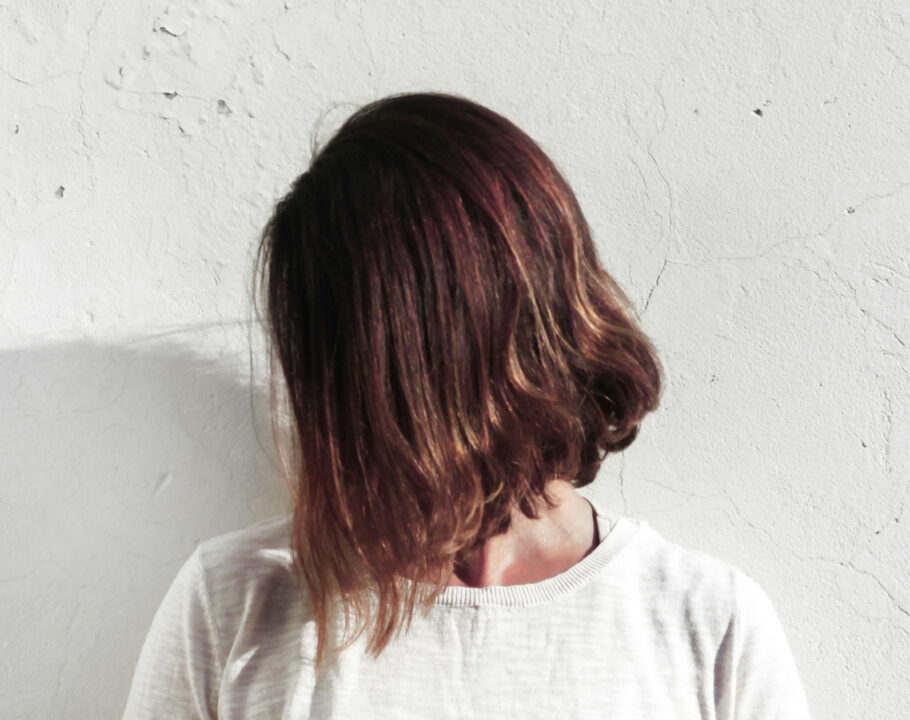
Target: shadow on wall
point(117, 461)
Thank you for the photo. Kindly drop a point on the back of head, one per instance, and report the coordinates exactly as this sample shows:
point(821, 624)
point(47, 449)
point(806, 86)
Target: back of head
point(450, 343)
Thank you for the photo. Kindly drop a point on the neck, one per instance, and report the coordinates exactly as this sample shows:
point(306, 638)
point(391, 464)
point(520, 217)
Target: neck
point(534, 550)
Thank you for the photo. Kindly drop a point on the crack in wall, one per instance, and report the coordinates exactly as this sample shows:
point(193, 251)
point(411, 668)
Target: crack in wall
point(670, 217)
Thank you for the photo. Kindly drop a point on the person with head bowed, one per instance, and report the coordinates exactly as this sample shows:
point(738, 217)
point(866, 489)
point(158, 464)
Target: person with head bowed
point(456, 364)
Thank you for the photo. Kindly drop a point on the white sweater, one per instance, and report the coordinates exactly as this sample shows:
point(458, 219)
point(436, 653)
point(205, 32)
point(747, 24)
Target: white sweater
point(639, 628)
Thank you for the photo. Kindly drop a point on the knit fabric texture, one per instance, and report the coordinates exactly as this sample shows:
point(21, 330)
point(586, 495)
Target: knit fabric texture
point(639, 628)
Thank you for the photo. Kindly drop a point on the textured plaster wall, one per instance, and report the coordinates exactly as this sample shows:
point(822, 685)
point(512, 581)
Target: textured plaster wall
point(744, 168)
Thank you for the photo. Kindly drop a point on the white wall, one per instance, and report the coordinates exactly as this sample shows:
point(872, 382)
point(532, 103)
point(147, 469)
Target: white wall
point(143, 145)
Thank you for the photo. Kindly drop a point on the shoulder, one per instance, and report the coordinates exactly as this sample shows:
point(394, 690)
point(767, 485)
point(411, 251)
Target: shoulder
point(677, 569)
point(725, 615)
point(242, 570)
point(705, 588)
point(216, 592)
point(265, 544)
point(247, 555)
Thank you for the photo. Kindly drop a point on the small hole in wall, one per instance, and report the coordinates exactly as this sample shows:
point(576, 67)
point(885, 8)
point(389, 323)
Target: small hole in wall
point(223, 108)
point(758, 111)
point(851, 210)
point(59, 192)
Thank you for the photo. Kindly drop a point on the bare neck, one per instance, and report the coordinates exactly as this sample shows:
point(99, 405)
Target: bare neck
point(534, 550)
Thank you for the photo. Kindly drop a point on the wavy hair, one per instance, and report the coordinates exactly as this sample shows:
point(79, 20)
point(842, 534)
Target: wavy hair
point(450, 343)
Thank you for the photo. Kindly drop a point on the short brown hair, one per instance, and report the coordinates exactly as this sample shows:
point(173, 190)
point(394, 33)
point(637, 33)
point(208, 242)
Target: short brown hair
point(450, 343)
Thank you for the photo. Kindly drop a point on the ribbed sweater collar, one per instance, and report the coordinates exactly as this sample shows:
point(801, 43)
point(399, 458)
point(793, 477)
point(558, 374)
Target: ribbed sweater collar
point(615, 535)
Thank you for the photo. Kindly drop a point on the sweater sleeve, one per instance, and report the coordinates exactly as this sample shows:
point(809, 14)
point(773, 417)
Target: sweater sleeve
point(178, 673)
point(755, 674)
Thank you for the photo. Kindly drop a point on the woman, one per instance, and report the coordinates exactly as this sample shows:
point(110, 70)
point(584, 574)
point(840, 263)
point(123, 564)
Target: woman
point(457, 363)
